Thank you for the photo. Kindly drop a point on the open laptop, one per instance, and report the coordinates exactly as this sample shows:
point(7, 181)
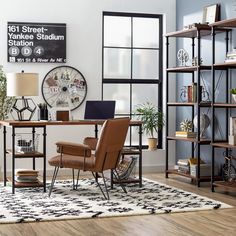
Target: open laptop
point(99, 110)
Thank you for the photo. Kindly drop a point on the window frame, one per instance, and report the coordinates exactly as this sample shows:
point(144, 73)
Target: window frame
point(131, 81)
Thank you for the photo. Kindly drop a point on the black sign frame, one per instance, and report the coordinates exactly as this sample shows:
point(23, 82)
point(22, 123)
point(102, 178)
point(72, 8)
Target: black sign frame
point(29, 42)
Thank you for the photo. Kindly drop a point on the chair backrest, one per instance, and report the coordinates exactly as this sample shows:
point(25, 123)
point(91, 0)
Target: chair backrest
point(110, 143)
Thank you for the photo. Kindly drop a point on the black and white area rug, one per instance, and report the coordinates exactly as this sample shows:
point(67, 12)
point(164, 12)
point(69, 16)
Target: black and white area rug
point(31, 204)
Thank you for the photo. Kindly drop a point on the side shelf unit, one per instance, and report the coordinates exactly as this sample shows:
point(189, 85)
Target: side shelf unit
point(15, 154)
point(194, 34)
point(227, 105)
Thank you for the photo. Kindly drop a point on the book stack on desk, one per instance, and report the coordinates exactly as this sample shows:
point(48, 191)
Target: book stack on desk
point(26, 176)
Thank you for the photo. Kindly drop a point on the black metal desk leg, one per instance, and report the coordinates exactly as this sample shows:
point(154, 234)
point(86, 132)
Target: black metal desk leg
point(140, 156)
point(13, 160)
point(112, 183)
point(44, 158)
point(4, 157)
point(33, 138)
point(96, 131)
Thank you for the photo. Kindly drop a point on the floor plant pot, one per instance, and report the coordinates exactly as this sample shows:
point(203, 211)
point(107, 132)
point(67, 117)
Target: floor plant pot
point(152, 144)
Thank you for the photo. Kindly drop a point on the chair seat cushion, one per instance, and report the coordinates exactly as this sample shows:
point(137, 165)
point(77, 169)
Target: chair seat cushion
point(74, 162)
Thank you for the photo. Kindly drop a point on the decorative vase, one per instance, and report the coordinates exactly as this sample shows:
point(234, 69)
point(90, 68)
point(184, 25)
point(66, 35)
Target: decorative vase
point(233, 98)
point(152, 144)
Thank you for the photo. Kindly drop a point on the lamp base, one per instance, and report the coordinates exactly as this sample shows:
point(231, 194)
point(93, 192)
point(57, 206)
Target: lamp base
point(23, 109)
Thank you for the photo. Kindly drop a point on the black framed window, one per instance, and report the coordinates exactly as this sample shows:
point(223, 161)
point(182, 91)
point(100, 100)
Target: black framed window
point(132, 63)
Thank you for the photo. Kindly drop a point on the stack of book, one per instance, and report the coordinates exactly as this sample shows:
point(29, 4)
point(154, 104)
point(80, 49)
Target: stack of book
point(26, 176)
point(183, 166)
point(231, 56)
point(186, 134)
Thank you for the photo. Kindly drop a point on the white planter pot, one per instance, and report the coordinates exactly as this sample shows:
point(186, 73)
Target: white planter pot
point(233, 98)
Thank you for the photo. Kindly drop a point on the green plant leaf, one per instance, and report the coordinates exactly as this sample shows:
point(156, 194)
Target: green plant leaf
point(151, 116)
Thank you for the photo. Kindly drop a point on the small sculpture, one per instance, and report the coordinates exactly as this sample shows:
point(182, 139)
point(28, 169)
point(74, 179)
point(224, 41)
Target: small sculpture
point(183, 57)
point(186, 125)
point(195, 61)
point(184, 94)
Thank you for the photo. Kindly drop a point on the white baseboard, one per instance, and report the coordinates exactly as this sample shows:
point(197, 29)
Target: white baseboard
point(153, 169)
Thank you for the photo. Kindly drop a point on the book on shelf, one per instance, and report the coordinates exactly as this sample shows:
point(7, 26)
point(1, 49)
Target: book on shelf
point(183, 162)
point(185, 134)
point(27, 179)
point(192, 92)
point(231, 54)
point(26, 176)
point(26, 172)
point(232, 126)
point(184, 169)
point(227, 60)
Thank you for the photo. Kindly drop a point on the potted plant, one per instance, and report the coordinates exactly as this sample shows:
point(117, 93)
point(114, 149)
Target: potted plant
point(233, 92)
point(153, 120)
point(5, 102)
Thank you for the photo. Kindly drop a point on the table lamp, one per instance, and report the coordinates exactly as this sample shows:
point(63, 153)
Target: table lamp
point(22, 84)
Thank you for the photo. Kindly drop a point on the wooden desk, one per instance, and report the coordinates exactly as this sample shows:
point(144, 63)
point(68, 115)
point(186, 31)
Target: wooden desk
point(33, 125)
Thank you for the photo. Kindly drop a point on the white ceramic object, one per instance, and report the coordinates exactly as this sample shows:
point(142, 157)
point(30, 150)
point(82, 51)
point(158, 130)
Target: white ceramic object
point(233, 98)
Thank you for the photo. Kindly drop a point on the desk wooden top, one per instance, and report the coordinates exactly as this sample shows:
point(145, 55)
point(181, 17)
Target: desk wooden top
point(49, 123)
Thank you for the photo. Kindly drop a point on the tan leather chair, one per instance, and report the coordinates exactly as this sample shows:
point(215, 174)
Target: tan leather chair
point(105, 157)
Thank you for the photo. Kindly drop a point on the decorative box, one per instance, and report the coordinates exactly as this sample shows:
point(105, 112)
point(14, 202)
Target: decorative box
point(205, 170)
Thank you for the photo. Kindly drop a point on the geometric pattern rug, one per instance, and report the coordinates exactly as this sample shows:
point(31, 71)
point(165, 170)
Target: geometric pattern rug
point(32, 204)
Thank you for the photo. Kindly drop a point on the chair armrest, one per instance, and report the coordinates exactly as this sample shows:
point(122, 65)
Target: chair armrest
point(75, 149)
point(91, 142)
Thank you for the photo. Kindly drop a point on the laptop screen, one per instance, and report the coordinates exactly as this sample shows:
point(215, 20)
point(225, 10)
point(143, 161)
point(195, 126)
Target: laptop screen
point(99, 110)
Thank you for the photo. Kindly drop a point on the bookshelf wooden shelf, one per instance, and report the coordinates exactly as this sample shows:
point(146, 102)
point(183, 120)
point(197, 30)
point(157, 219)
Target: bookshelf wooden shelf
point(202, 178)
point(225, 65)
point(188, 69)
point(223, 145)
point(191, 33)
point(193, 140)
point(202, 104)
point(176, 172)
point(224, 105)
point(25, 155)
point(226, 185)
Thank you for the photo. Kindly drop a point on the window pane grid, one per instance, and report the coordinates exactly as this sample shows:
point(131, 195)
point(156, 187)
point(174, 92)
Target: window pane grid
point(135, 72)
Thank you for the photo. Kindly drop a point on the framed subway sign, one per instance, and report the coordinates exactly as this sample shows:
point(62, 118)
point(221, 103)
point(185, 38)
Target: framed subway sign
point(36, 42)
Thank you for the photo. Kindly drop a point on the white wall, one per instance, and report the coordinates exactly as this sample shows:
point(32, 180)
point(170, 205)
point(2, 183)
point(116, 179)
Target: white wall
point(84, 51)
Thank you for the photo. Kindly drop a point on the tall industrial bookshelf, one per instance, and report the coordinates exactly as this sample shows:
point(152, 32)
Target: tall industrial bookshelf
point(226, 105)
point(195, 35)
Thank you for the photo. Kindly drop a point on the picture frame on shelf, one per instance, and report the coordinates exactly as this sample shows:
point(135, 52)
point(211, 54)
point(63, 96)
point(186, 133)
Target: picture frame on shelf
point(211, 14)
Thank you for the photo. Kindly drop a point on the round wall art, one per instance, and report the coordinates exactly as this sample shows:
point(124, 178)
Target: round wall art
point(64, 86)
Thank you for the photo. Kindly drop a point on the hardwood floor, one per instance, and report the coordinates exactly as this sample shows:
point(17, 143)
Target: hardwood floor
point(213, 222)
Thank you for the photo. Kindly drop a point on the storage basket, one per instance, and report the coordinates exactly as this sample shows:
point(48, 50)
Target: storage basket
point(25, 143)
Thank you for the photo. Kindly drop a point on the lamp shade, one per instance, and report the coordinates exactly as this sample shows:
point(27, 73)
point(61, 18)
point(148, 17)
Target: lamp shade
point(22, 84)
